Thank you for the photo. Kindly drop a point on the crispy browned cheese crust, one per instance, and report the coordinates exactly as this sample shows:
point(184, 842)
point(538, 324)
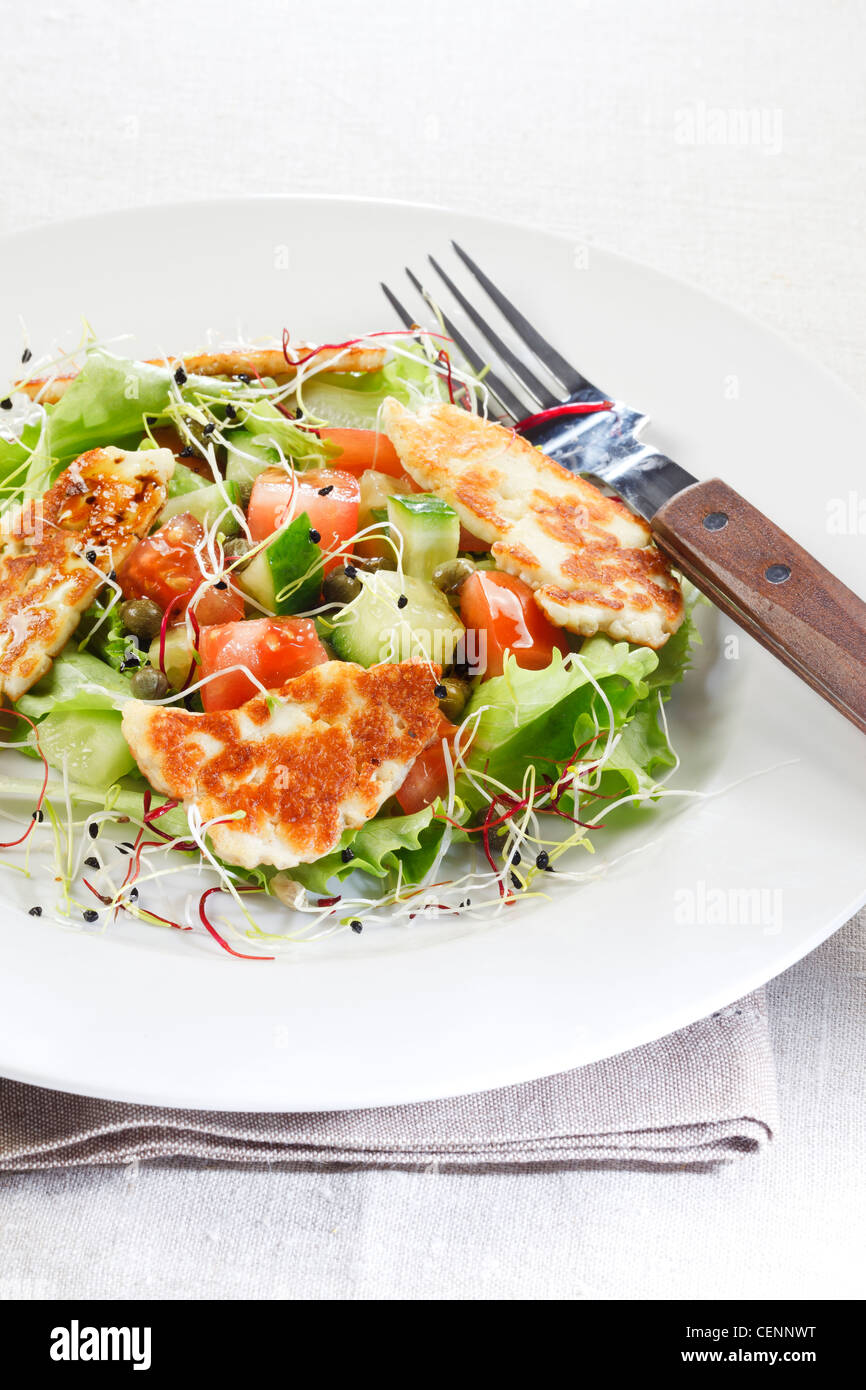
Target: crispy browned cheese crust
point(321, 756)
point(270, 362)
point(589, 559)
point(102, 504)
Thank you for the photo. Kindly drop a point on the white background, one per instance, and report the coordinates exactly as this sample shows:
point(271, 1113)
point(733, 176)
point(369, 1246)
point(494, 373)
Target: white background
point(589, 118)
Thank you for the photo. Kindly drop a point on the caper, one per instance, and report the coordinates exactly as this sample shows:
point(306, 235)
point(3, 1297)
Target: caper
point(201, 433)
point(234, 547)
point(142, 617)
point(340, 587)
point(148, 684)
point(372, 563)
point(453, 702)
point(451, 576)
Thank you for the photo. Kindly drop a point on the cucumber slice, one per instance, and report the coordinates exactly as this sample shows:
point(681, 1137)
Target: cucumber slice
point(342, 407)
point(207, 504)
point(247, 457)
point(89, 742)
point(184, 480)
point(373, 628)
point(430, 529)
point(376, 488)
point(270, 576)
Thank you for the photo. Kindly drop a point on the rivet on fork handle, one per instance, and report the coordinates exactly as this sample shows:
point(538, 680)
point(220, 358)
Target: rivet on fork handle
point(772, 587)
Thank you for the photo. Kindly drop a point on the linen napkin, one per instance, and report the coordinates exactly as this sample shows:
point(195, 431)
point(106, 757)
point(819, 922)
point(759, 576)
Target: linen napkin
point(703, 1095)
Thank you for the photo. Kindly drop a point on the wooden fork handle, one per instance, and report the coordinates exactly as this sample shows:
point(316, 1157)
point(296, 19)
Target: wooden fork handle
point(772, 587)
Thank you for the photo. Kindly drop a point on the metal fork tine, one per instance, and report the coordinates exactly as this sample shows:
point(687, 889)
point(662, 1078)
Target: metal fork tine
point(495, 385)
point(537, 389)
point(401, 312)
point(573, 380)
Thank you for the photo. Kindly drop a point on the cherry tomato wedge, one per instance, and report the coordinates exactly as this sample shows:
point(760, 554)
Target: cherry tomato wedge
point(328, 496)
point(274, 650)
point(363, 449)
point(428, 775)
point(474, 544)
point(501, 607)
point(165, 566)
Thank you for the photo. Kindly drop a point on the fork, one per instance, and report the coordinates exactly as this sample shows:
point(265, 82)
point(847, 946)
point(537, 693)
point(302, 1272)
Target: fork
point(738, 557)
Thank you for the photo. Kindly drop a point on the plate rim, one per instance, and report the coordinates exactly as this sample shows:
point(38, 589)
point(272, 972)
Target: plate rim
point(750, 979)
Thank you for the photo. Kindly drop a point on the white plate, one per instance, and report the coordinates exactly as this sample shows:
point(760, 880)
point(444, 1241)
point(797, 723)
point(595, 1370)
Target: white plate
point(434, 1010)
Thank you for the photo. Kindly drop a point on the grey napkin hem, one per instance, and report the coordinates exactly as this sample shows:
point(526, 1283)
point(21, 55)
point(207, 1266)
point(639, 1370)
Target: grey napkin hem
point(702, 1096)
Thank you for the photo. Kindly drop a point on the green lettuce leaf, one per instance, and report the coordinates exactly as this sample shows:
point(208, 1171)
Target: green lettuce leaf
point(538, 718)
point(105, 404)
point(15, 454)
point(262, 419)
point(76, 681)
point(344, 401)
point(101, 629)
point(380, 847)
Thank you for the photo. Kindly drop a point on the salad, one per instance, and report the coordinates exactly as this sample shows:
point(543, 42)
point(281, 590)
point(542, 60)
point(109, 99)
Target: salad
point(309, 619)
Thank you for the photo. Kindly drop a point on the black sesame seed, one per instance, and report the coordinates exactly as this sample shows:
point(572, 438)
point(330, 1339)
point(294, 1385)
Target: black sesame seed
point(93, 831)
point(6, 403)
point(90, 557)
point(92, 862)
point(187, 451)
point(151, 419)
point(347, 855)
point(315, 536)
point(515, 858)
point(350, 572)
point(112, 576)
point(90, 915)
point(516, 881)
point(133, 895)
point(323, 491)
point(38, 816)
point(244, 377)
point(402, 601)
point(231, 413)
point(357, 926)
point(209, 427)
point(180, 376)
point(542, 859)
point(36, 912)
point(221, 584)
point(440, 691)
point(124, 847)
point(26, 355)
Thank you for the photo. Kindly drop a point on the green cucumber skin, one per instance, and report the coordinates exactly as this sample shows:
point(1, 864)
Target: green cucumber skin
point(244, 471)
point(290, 554)
point(430, 529)
point(184, 480)
point(206, 504)
point(376, 630)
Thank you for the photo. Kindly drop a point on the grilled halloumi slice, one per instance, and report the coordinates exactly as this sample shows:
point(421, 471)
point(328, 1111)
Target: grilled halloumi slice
point(590, 560)
point(321, 754)
point(270, 362)
point(100, 506)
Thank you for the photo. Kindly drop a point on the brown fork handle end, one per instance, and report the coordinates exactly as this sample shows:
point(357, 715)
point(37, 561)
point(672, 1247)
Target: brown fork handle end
point(772, 587)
